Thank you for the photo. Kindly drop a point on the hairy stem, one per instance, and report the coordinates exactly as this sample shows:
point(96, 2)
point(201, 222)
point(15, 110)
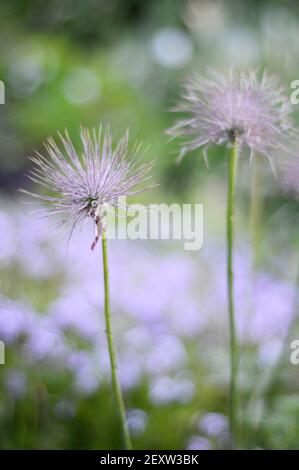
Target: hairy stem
point(232, 167)
point(112, 353)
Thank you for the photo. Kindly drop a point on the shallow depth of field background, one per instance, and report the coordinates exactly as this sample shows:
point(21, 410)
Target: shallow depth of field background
point(66, 63)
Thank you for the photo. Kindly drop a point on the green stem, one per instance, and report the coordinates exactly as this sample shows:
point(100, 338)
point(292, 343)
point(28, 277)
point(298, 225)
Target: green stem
point(112, 353)
point(232, 167)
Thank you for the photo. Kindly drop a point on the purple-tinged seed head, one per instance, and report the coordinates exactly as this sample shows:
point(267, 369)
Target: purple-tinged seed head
point(85, 184)
point(236, 106)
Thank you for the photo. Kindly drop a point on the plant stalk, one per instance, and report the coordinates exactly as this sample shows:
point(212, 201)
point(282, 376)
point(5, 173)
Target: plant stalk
point(112, 352)
point(232, 403)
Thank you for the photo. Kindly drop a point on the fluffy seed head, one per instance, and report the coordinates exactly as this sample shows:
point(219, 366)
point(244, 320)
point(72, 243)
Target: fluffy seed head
point(236, 106)
point(84, 183)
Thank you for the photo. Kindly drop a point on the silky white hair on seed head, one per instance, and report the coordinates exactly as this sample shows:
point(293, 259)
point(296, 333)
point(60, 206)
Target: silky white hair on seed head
point(85, 184)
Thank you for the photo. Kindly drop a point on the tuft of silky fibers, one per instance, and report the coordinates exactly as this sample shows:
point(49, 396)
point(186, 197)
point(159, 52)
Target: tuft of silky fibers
point(235, 106)
point(82, 185)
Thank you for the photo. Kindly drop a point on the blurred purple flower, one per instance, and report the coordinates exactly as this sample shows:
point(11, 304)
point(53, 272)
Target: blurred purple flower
point(265, 306)
point(16, 383)
point(44, 341)
point(213, 424)
point(269, 351)
point(168, 353)
point(137, 421)
point(74, 312)
point(130, 371)
point(166, 389)
point(87, 379)
point(15, 320)
point(199, 443)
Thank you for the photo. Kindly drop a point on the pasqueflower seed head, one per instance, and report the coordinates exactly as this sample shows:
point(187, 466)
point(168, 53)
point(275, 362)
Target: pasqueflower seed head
point(82, 185)
point(236, 106)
